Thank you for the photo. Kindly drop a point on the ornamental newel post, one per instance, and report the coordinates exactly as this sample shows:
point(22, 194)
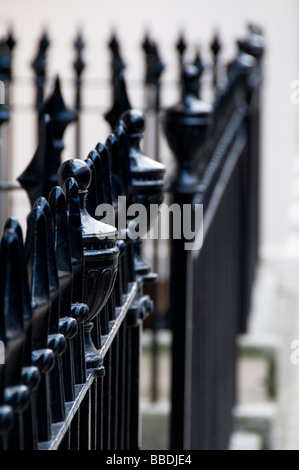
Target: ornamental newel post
point(100, 255)
point(147, 175)
point(185, 126)
point(254, 43)
point(147, 180)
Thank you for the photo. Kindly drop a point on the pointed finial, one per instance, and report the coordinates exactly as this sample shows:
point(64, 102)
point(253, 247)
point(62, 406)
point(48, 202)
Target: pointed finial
point(215, 44)
point(11, 43)
point(79, 64)
point(185, 126)
point(37, 265)
point(10, 40)
point(120, 100)
point(39, 66)
point(105, 169)
point(41, 173)
point(43, 204)
point(5, 73)
point(94, 156)
point(146, 44)
point(215, 48)
point(190, 77)
point(255, 29)
point(57, 202)
point(145, 172)
point(75, 237)
point(198, 62)
point(124, 163)
point(12, 306)
point(117, 62)
point(181, 45)
point(42, 356)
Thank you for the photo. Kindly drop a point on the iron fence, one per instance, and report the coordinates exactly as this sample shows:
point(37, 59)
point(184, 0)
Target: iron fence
point(72, 333)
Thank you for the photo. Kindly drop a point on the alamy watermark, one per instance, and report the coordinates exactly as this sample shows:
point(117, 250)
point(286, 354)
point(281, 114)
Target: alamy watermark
point(2, 92)
point(2, 353)
point(295, 93)
point(186, 221)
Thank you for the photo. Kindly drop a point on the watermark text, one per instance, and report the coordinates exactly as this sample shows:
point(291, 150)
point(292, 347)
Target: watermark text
point(166, 221)
point(295, 94)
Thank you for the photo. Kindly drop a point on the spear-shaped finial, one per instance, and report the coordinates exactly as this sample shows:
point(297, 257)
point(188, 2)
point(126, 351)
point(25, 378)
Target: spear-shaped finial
point(119, 90)
point(39, 66)
point(154, 65)
point(215, 48)
point(79, 66)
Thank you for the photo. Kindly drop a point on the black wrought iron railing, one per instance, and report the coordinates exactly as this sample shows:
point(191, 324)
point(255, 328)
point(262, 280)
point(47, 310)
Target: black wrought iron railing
point(217, 148)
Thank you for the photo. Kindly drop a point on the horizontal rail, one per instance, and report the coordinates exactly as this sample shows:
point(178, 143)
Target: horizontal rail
point(9, 185)
point(231, 159)
point(217, 197)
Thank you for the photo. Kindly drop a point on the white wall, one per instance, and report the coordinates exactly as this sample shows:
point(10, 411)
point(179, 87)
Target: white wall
point(164, 19)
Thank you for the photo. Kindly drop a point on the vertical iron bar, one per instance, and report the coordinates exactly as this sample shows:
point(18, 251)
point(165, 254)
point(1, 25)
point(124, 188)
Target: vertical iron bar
point(134, 443)
point(93, 413)
point(122, 387)
point(128, 388)
point(100, 412)
point(107, 402)
point(114, 393)
point(74, 432)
